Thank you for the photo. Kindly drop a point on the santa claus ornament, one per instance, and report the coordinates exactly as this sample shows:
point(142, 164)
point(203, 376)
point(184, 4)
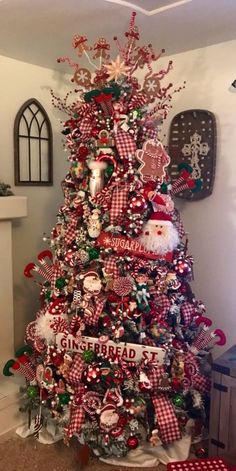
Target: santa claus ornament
point(159, 234)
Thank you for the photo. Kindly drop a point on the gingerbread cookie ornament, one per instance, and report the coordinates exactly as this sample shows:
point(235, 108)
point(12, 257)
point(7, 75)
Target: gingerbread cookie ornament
point(154, 160)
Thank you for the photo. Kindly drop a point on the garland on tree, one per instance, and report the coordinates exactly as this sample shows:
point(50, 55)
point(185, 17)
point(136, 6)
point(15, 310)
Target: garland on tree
point(120, 346)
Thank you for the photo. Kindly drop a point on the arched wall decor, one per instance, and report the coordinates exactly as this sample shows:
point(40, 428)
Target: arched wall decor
point(32, 145)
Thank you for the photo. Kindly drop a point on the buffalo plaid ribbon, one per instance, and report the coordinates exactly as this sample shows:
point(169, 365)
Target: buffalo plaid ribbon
point(71, 228)
point(86, 127)
point(166, 419)
point(118, 202)
point(149, 342)
point(74, 376)
point(148, 133)
point(125, 144)
point(164, 304)
point(110, 266)
point(77, 413)
point(165, 414)
point(187, 313)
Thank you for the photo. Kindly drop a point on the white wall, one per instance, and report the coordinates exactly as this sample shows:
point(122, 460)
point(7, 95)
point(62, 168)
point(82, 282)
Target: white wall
point(211, 222)
point(19, 82)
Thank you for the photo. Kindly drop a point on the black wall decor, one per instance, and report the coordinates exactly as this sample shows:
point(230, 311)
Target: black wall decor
point(33, 145)
point(192, 139)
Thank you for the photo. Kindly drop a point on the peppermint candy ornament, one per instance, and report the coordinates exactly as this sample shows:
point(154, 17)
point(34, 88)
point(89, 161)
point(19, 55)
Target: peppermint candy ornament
point(122, 286)
point(92, 403)
point(30, 331)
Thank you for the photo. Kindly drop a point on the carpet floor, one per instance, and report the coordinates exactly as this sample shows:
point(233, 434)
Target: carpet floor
point(17, 454)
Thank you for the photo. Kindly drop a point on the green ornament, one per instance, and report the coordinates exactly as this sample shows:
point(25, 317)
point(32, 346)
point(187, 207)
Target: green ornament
point(88, 356)
point(48, 295)
point(178, 400)
point(64, 398)
point(164, 188)
point(109, 170)
point(93, 253)
point(60, 283)
point(32, 392)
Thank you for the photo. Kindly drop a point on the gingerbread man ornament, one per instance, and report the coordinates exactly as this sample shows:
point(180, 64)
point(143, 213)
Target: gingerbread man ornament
point(154, 160)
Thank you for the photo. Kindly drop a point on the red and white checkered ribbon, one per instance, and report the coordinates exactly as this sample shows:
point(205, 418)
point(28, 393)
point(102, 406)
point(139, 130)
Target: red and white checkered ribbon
point(164, 305)
point(110, 266)
point(85, 128)
point(76, 370)
point(149, 133)
point(167, 421)
point(187, 312)
point(165, 414)
point(71, 228)
point(77, 413)
point(118, 203)
point(149, 342)
point(202, 340)
point(125, 144)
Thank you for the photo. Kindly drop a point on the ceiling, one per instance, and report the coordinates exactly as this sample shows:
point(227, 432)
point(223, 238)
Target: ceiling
point(39, 31)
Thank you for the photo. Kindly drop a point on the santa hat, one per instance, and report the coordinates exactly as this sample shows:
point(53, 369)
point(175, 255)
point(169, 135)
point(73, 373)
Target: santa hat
point(162, 218)
point(158, 200)
point(89, 273)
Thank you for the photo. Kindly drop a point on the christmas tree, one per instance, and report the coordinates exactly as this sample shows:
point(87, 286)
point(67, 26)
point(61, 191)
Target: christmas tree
point(118, 355)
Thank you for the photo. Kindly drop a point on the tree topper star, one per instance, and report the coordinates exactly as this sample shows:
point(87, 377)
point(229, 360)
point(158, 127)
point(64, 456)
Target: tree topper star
point(116, 68)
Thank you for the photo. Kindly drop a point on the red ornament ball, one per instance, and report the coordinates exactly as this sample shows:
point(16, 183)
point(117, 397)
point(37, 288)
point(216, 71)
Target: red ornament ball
point(201, 453)
point(132, 442)
point(182, 267)
point(138, 204)
point(92, 374)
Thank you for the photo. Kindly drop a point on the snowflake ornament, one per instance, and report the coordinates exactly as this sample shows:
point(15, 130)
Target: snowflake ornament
point(116, 69)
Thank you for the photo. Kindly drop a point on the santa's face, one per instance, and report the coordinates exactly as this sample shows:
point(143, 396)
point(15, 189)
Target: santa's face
point(92, 284)
point(159, 237)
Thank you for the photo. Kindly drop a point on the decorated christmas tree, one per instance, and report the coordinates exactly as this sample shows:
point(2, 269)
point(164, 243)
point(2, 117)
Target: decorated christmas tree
point(118, 354)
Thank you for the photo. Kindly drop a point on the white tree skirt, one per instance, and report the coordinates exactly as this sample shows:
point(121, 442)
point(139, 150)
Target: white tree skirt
point(147, 456)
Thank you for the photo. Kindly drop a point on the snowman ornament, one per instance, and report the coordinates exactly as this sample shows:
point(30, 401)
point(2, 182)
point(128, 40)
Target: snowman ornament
point(94, 224)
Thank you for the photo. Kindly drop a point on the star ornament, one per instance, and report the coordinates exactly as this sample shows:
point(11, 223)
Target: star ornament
point(116, 69)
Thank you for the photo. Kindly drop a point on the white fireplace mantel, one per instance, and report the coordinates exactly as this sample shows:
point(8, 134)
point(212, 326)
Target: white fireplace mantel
point(11, 207)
